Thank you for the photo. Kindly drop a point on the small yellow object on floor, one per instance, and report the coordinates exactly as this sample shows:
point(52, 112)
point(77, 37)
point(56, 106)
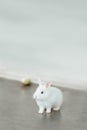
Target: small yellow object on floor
point(26, 82)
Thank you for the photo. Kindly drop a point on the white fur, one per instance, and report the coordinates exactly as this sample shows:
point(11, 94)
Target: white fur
point(51, 97)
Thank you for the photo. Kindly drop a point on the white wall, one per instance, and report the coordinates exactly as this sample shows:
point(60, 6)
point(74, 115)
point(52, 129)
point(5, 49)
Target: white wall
point(43, 38)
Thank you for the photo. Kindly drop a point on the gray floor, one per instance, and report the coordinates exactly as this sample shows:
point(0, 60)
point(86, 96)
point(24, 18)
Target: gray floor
point(18, 111)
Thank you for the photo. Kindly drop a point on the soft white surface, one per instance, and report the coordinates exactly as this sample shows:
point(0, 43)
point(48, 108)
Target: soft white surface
point(43, 38)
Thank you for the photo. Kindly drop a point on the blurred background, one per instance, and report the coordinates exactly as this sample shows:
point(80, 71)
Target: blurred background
point(46, 39)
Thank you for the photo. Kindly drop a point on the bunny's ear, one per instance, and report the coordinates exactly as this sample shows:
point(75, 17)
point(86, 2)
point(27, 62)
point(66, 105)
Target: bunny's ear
point(48, 84)
point(39, 81)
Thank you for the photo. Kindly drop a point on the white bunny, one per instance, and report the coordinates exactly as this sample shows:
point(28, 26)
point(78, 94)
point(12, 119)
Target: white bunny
point(48, 97)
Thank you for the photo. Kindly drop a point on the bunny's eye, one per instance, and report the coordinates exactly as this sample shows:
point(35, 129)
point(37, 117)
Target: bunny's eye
point(42, 92)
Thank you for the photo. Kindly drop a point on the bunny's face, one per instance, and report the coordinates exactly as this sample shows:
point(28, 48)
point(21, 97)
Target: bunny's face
point(41, 93)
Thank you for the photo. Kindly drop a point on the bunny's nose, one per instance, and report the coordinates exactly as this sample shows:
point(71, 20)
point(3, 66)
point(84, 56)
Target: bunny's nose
point(34, 96)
